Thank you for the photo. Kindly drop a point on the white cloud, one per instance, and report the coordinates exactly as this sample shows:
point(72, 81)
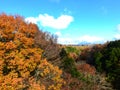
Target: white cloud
point(32, 20)
point(118, 27)
point(85, 38)
point(117, 36)
point(66, 40)
point(58, 34)
point(91, 39)
point(62, 22)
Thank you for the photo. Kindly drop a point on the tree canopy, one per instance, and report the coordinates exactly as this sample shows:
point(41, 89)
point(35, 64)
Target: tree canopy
point(21, 62)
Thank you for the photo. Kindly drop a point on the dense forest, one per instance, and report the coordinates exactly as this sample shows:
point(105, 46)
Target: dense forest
point(31, 59)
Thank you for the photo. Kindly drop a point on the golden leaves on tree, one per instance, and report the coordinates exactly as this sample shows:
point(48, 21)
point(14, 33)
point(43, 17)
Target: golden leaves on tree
point(20, 59)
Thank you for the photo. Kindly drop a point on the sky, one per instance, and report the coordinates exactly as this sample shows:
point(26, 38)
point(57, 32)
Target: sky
point(73, 21)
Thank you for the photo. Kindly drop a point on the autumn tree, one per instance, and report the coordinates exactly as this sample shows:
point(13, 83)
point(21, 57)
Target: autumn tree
point(21, 62)
point(48, 43)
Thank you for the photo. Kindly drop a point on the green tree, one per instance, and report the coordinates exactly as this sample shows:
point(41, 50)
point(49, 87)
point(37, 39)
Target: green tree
point(108, 60)
point(98, 62)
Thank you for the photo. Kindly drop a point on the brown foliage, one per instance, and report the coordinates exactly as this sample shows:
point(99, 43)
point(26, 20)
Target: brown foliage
point(86, 68)
point(48, 43)
point(74, 56)
point(72, 83)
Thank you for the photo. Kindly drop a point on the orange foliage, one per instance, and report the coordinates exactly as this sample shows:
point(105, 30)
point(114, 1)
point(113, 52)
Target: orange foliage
point(20, 59)
point(50, 73)
point(73, 56)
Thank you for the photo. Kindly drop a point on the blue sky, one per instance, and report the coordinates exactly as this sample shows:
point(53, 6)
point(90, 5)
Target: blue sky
point(74, 21)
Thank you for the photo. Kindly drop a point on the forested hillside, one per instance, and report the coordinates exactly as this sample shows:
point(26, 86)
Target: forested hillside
point(108, 60)
point(22, 62)
point(31, 59)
